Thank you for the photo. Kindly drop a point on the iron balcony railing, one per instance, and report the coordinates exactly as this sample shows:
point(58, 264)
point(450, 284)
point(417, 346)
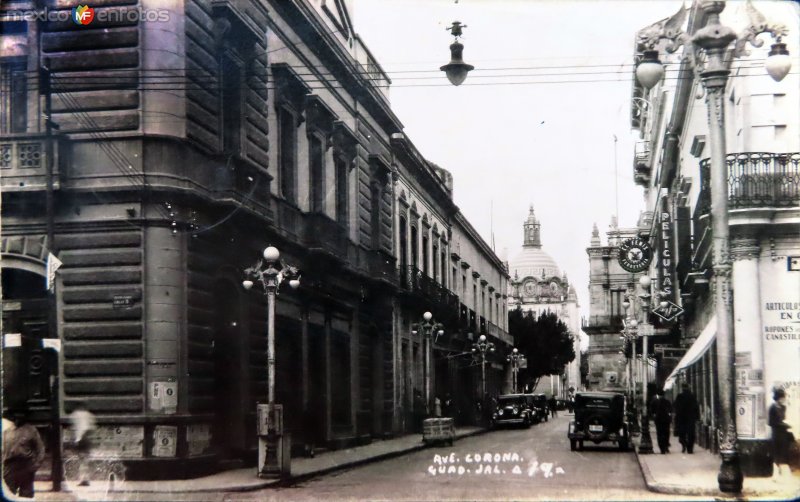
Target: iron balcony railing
point(755, 179)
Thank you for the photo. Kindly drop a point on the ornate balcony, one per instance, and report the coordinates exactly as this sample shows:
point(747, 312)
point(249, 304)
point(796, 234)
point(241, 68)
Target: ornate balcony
point(23, 163)
point(325, 237)
point(597, 324)
point(755, 180)
point(641, 163)
point(436, 297)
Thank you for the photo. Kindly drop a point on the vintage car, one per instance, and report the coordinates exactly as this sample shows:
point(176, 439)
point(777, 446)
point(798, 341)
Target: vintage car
point(599, 416)
point(542, 407)
point(514, 409)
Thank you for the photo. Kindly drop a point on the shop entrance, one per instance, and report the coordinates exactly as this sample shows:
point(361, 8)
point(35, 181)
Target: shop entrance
point(27, 367)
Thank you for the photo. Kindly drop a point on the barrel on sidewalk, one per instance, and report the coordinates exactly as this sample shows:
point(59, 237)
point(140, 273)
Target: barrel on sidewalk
point(438, 430)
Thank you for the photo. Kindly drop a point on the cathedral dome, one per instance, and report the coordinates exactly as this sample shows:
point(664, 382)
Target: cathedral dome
point(533, 261)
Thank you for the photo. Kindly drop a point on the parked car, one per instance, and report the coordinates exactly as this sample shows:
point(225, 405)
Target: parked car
point(514, 409)
point(542, 408)
point(599, 417)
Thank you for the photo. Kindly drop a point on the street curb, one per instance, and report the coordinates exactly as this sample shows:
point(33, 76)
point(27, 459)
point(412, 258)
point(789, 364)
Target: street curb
point(293, 479)
point(383, 456)
point(672, 489)
point(654, 486)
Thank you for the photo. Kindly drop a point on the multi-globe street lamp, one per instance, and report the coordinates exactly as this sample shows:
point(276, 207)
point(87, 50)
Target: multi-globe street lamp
point(428, 327)
point(646, 443)
point(629, 336)
point(271, 272)
point(515, 358)
point(713, 40)
point(481, 347)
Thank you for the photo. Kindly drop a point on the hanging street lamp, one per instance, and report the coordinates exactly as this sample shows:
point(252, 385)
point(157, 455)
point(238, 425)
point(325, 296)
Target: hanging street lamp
point(456, 70)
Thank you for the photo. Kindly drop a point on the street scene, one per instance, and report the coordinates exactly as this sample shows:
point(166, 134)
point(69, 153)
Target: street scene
point(400, 250)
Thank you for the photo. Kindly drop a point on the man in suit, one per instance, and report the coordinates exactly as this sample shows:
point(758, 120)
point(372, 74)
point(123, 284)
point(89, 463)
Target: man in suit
point(686, 414)
point(661, 411)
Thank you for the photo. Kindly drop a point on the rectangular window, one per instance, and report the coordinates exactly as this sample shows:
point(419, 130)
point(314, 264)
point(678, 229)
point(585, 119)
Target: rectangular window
point(287, 144)
point(341, 191)
point(317, 165)
point(375, 222)
point(435, 255)
point(231, 105)
point(425, 254)
point(13, 97)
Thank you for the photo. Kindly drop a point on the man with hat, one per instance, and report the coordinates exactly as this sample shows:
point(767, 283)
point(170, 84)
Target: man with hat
point(686, 414)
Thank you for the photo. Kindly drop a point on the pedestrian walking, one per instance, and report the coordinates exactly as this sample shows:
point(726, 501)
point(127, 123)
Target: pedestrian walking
point(552, 404)
point(661, 411)
point(687, 412)
point(781, 438)
point(82, 423)
point(447, 406)
point(23, 453)
point(419, 410)
point(437, 407)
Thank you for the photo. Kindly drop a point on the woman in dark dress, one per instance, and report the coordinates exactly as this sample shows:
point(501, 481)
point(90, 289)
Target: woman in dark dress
point(781, 437)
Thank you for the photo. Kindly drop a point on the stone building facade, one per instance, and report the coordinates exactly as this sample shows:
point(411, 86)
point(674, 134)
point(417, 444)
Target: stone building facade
point(182, 147)
point(671, 164)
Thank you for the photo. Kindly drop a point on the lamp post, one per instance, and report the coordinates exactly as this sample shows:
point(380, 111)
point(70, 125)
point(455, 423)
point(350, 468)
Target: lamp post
point(456, 70)
point(515, 358)
point(629, 336)
point(271, 272)
point(428, 327)
point(713, 40)
point(646, 443)
point(481, 347)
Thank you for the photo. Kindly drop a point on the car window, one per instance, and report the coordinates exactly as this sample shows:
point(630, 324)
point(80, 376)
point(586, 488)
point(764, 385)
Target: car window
point(596, 403)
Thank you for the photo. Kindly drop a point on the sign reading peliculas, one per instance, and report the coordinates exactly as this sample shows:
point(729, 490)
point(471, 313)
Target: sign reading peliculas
point(666, 265)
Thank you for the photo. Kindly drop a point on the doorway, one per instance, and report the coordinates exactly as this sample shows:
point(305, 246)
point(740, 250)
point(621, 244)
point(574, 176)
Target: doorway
point(229, 427)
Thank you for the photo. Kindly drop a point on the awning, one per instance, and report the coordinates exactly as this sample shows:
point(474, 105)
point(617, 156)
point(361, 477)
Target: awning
point(695, 352)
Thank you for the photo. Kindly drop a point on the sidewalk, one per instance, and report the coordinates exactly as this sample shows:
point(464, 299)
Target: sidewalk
point(246, 480)
point(696, 474)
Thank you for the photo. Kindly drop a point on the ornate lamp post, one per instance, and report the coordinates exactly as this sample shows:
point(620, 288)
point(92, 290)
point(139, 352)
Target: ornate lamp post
point(428, 327)
point(515, 358)
point(646, 443)
point(271, 272)
point(481, 347)
point(713, 40)
point(629, 335)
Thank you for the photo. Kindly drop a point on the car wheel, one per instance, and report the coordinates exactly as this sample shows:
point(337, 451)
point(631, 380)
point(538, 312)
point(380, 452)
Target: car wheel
point(572, 445)
point(580, 445)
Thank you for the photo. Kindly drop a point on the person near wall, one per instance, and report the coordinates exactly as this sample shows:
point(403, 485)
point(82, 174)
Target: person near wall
point(82, 423)
point(687, 412)
point(23, 453)
point(419, 410)
point(661, 411)
point(781, 438)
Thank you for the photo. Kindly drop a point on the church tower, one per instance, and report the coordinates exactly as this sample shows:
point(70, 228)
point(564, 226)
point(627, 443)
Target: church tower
point(533, 229)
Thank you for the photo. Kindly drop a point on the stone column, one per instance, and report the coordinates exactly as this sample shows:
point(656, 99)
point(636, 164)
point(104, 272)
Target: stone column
point(750, 397)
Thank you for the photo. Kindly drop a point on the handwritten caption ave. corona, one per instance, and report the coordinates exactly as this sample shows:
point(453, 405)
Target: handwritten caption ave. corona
point(491, 464)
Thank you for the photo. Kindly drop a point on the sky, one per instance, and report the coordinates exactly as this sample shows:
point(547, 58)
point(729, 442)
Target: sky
point(516, 132)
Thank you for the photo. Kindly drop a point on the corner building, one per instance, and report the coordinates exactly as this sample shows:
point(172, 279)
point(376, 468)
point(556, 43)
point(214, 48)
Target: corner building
point(183, 148)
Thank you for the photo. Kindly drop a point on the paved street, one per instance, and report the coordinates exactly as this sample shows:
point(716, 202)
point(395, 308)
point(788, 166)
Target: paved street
point(537, 466)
